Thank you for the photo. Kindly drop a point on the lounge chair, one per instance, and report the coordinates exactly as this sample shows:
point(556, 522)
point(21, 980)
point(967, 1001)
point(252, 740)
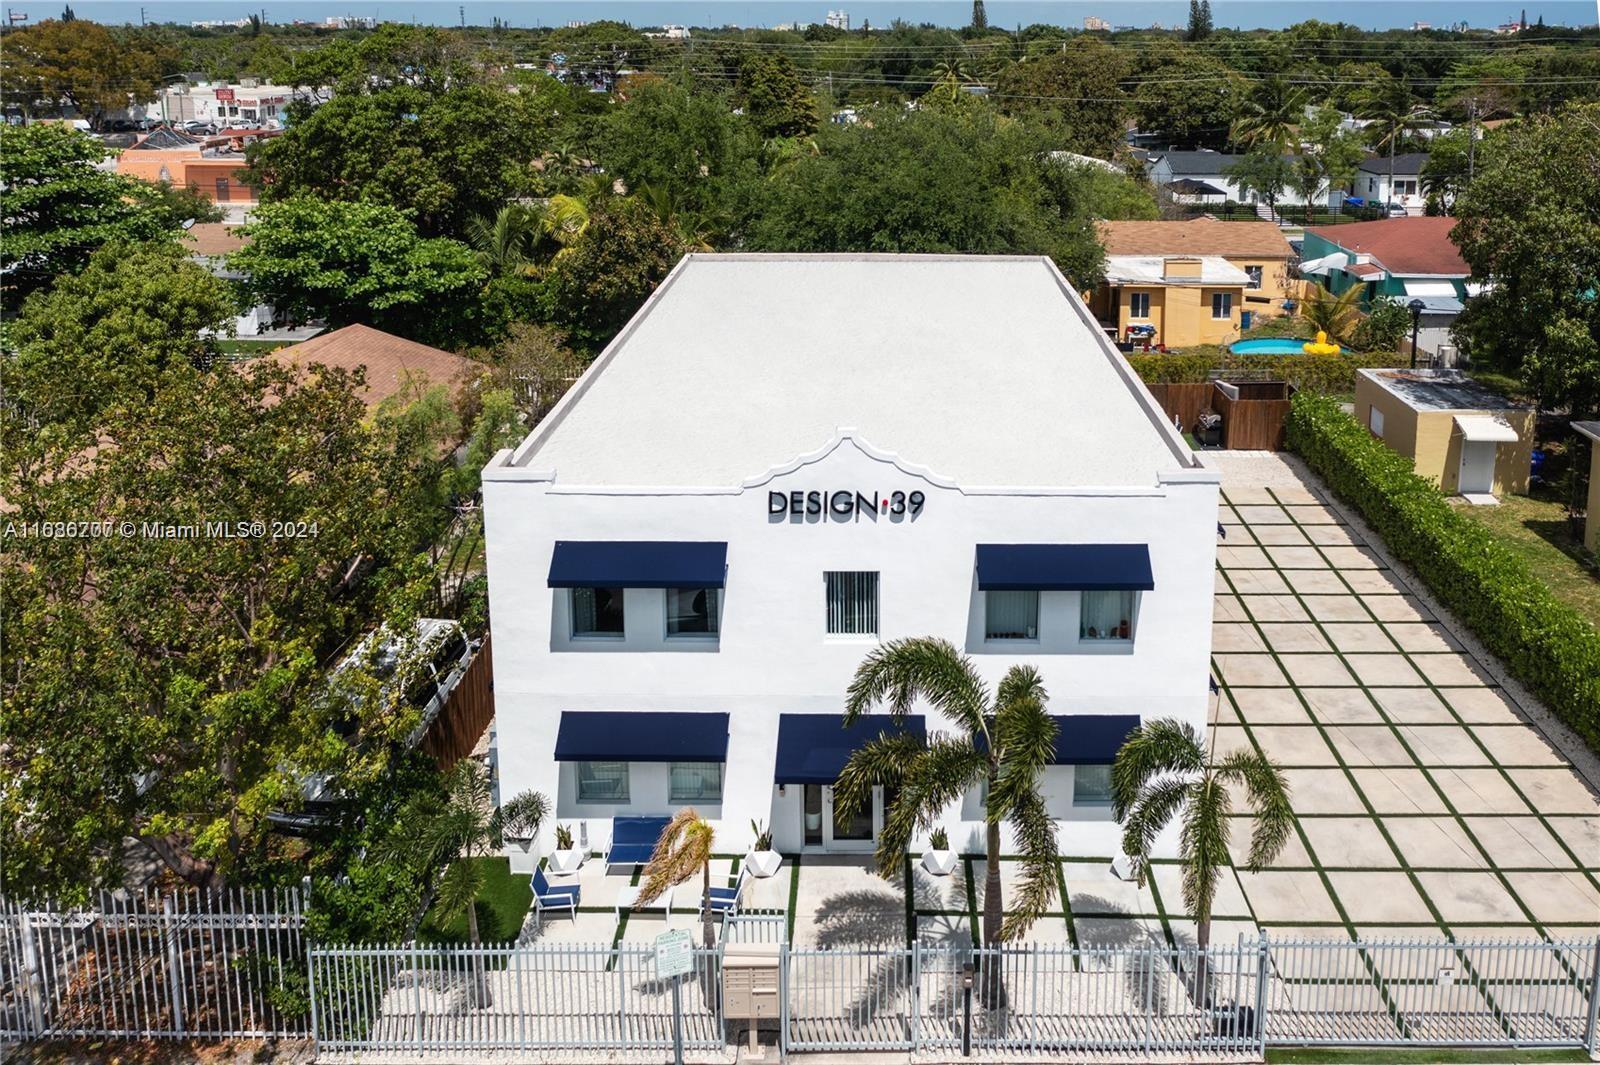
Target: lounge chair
point(549, 897)
point(724, 901)
point(633, 839)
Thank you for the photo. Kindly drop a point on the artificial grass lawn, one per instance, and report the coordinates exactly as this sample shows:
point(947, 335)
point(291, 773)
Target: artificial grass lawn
point(502, 905)
point(1536, 530)
point(1415, 1056)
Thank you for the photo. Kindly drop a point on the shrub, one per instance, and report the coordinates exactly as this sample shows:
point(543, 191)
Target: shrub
point(1543, 642)
point(1312, 373)
point(1384, 326)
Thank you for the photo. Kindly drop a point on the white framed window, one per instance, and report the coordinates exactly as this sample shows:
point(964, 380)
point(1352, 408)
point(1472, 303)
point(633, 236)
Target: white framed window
point(1375, 421)
point(597, 612)
point(692, 611)
point(695, 782)
point(1106, 616)
point(852, 603)
point(1222, 305)
point(1254, 273)
point(1010, 615)
point(1139, 305)
point(602, 781)
point(1091, 785)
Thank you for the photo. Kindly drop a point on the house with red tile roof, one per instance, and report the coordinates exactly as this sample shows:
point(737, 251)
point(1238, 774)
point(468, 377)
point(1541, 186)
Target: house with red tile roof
point(1402, 259)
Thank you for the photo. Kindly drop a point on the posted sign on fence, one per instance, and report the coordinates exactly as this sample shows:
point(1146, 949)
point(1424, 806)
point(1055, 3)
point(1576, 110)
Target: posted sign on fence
point(674, 953)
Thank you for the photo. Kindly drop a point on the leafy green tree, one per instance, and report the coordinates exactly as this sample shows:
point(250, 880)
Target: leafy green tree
point(1194, 102)
point(1530, 225)
point(668, 135)
point(963, 181)
point(105, 335)
point(1004, 741)
point(1199, 20)
point(57, 206)
point(608, 272)
point(446, 157)
point(170, 687)
point(1383, 328)
point(1264, 172)
point(1270, 116)
point(1331, 154)
point(361, 262)
point(772, 94)
point(684, 849)
point(1163, 772)
point(1448, 169)
point(1076, 89)
point(80, 63)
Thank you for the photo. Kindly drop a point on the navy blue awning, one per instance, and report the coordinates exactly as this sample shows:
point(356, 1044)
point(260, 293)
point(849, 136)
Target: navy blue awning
point(1064, 567)
point(813, 748)
point(1091, 739)
point(641, 736)
point(639, 564)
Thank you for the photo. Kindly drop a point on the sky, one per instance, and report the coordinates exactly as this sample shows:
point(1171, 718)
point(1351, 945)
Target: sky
point(1248, 14)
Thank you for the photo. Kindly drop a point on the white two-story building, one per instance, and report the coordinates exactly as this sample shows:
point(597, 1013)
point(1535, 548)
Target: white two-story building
point(785, 459)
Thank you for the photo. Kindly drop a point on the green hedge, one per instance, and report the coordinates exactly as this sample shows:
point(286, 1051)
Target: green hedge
point(1314, 373)
point(1545, 644)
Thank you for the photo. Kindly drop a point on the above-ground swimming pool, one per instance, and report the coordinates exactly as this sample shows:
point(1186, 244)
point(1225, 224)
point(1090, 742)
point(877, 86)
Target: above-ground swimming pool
point(1271, 346)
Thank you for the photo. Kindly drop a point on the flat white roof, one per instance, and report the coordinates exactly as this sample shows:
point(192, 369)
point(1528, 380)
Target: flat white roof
point(987, 370)
point(1152, 270)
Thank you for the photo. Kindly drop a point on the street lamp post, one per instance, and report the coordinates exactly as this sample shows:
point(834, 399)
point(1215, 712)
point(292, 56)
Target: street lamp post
point(1416, 307)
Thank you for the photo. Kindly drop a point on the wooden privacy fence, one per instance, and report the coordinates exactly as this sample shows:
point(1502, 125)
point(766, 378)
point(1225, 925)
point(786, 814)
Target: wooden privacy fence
point(1252, 411)
point(461, 723)
point(1183, 401)
point(156, 966)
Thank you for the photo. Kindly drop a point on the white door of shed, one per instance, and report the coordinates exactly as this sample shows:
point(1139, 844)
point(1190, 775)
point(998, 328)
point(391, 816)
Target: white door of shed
point(1477, 468)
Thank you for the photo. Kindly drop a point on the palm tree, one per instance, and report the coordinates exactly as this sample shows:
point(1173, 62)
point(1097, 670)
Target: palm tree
point(455, 826)
point(950, 74)
point(1335, 315)
point(684, 849)
point(1388, 106)
point(1270, 117)
point(506, 242)
point(693, 230)
point(1162, 772)
point(1005, 741)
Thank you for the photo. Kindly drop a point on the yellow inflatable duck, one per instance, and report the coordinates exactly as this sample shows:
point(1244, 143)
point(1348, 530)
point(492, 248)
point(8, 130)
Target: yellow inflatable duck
point(1320, 346)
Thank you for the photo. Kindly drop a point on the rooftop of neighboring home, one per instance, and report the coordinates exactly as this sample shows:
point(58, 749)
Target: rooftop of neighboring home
point(213, 239)
point(1195, 236)
point(1199, 163)
point(986, 370)
point(1404, 247)
point(1156, 270)
point(1407, 163)
point(1440, 390)
point(392, 363)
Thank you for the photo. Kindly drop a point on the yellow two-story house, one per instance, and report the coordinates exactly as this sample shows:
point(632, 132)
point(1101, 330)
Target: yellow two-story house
point(1198, 281)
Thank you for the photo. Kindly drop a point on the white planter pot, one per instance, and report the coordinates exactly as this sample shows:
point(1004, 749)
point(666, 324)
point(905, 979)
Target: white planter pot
point(939, 863)
point(524, 856)
point(763, 863)
point(813, 822)
point(566, 861)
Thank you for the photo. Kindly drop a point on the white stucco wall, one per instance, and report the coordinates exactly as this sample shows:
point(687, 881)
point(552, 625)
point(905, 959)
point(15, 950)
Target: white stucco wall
point(773, 657)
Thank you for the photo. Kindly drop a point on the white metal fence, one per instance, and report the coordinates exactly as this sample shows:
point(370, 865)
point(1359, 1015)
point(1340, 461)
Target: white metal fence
point(153, 966)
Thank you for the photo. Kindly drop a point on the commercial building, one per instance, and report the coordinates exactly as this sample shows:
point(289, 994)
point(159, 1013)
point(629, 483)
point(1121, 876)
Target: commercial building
point(783, 460)
point(211, 166)
point(1193, 282)
point(1464, 437)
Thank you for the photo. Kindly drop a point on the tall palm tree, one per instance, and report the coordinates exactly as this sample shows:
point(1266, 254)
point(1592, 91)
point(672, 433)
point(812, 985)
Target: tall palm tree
point(1271, 115)
point(684, 849)
point(455, 827)
point(506, 242)
point(950, 73)
point(1389, 107)
point(693, 229)
point(1335, 315)
point(1004, 741)
point(1163, 772)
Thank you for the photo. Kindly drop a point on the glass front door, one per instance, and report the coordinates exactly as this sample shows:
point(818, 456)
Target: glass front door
point(823, 829)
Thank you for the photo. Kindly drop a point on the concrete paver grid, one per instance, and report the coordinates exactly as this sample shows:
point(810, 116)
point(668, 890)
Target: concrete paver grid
point(1414, 731)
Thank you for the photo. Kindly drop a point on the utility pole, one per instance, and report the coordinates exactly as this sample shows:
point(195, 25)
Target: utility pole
point(141, 16)
point(1472, 135)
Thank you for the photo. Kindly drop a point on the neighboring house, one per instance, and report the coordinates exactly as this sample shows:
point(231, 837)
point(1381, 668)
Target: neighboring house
point(208, 165)
point(393, 364)
point(1464, 437)
point(1591, 515)
point(1401, 258)
point(1180, 172)
point(1194, 281)
point(1371, 182)
point(243, 103)
point(210, 244)
point(692, 554)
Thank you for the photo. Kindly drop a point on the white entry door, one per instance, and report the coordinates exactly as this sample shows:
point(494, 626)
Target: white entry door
point(1477, 467)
